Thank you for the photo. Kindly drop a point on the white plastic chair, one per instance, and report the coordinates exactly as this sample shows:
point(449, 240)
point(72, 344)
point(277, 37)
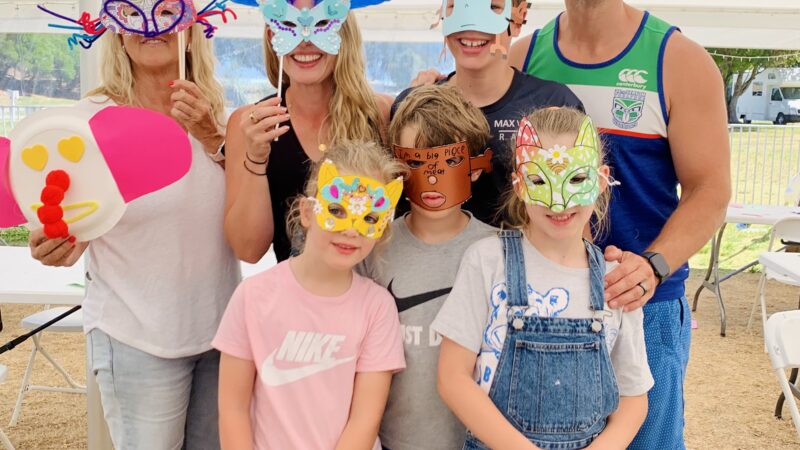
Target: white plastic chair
point(3, 438)
point(787, 229)
point(783, 343)
point(70, 324)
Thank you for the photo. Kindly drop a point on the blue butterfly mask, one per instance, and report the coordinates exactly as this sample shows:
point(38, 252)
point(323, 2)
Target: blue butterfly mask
point(319, 25)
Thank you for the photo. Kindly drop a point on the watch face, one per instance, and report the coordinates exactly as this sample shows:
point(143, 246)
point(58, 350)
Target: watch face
point(659, 264)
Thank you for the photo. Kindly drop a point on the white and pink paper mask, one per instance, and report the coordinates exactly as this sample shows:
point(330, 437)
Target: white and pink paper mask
point(74, 172)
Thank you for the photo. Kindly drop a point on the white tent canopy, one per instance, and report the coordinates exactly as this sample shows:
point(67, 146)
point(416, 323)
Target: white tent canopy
point(771, 24)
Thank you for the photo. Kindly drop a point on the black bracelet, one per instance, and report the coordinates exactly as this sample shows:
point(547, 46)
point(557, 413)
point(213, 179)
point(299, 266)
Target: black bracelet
point(260, 163)
point(244, 163)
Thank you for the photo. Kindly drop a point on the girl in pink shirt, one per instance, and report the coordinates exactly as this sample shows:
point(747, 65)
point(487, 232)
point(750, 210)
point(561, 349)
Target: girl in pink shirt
point(309, 347)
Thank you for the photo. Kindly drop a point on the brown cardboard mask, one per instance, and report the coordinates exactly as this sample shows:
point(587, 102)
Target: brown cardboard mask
point(440, 176)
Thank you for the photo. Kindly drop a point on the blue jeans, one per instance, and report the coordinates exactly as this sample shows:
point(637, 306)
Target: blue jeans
point(153, 403)
point(554, 381)
point(667, 333)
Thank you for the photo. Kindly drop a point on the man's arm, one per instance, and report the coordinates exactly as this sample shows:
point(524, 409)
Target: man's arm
point(519, 51)
point(698, 138)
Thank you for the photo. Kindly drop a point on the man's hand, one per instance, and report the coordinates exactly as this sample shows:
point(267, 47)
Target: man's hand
point(426, 77)
point(632, 283)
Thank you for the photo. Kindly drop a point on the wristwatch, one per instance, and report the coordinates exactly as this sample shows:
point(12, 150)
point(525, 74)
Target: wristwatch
point(659, 265)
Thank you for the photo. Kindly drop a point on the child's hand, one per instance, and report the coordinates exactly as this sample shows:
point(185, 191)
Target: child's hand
point(632, 283)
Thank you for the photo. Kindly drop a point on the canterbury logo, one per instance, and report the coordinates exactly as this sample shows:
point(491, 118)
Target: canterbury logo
point(315, 350)
point(633, 76)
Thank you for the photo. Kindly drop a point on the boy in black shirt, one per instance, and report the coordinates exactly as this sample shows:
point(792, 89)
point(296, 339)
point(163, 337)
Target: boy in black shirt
point(478, 35)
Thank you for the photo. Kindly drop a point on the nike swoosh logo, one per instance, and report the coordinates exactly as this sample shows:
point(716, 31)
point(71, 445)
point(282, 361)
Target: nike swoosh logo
point(273, 376)
point(416, 300)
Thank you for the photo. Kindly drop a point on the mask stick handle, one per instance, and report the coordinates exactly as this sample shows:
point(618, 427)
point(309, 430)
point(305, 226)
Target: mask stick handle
point(280, 85)
point(181, 56)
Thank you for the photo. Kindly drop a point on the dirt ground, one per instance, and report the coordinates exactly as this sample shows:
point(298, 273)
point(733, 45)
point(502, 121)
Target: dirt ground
point(730, 388)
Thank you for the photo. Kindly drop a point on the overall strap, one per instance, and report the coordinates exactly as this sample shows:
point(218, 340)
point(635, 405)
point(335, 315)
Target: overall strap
point(516, 284)
point(597, 272)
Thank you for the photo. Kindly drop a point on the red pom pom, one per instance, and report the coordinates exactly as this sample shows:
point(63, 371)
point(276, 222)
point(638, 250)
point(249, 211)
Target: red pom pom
point(58, 178)
point(56, 230)
point(50, 214)
point(52, 195)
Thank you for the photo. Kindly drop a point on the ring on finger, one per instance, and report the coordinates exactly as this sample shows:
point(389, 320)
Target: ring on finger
point(644, 289)
point(253, 118)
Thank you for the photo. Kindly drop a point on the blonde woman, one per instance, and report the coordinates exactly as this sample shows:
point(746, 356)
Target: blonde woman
point(325, 100)
point(158, 283)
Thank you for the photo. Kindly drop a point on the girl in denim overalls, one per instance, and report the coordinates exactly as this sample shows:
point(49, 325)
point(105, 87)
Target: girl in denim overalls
point(530, 356)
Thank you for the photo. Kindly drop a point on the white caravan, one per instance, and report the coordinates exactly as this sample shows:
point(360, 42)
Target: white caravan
point(773, 96)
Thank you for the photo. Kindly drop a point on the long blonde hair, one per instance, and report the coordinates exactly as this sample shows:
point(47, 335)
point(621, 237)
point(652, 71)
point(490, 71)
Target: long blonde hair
point(556, 122)
point(352, 113)
point(117, 73)
point(364, 158)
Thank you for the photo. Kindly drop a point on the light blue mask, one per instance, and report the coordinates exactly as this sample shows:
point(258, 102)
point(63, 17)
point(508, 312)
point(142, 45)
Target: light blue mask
point(319, 25)
point(475, 15)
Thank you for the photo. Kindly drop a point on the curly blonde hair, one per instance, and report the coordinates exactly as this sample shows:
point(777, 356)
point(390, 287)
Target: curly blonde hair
point(555, 122)
point(350, 157)
point(441, 116)
point(117, 73)
point(353, 113)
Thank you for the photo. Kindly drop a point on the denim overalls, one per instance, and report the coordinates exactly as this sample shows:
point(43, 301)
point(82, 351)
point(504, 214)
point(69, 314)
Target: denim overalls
point(554, 381)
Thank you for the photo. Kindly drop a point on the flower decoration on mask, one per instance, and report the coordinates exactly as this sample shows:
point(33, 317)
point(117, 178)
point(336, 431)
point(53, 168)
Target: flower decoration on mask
point(354, 202)
point(497, 17)
point(557, 178)
point(148, 18)
point(440, 177)
point(73, 171)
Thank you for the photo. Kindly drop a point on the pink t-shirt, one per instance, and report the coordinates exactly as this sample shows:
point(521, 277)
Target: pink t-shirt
point(307, 350)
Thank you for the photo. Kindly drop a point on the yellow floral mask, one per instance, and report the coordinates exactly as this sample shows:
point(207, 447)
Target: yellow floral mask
point(354, 202)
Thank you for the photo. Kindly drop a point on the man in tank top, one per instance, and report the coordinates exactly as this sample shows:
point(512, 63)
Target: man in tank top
point(658, 99)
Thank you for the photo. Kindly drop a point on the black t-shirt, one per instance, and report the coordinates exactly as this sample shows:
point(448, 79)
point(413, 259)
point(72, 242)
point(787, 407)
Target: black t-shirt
point(526, 94)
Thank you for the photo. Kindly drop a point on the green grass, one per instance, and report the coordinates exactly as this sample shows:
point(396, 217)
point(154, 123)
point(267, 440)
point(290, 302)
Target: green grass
point(15, 236)
point(771, 156)
point(739, 247)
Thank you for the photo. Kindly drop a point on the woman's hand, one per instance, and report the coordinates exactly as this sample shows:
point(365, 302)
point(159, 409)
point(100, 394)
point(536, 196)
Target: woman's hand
point(54, 252)
point(191, 108)
point(258, 125)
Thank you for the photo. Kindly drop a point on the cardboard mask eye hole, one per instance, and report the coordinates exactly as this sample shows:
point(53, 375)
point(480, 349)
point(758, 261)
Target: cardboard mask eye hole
point(35, 157)
point(71, 148)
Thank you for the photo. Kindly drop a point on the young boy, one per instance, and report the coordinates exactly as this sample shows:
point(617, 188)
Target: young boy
point(441, 137)
point(478, 34)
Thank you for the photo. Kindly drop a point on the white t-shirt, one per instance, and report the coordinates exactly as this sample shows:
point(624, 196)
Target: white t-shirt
point(475, 313)
point(159, 281)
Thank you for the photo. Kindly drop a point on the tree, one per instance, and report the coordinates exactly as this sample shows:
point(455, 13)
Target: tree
point(739, 73)
point(38, 64)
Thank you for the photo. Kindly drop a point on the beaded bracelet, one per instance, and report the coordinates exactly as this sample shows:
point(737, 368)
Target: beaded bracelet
point(244, 163)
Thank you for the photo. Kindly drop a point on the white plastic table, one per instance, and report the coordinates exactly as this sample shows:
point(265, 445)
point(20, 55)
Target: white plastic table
point(748, 214)
point(27, 281)
point(24, 280)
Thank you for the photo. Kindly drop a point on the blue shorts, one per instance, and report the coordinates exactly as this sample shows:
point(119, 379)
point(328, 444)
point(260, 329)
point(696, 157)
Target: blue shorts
point(667, 334)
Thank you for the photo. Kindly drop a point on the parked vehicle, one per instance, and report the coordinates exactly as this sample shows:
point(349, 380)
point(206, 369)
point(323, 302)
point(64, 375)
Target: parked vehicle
point(773, 96)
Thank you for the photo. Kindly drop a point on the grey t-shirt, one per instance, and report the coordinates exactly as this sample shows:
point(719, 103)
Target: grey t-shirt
point(419, 276)
point(474, 315)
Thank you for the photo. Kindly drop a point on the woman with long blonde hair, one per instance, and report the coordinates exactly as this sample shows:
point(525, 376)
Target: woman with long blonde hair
point(158, 283)
point(271, 145)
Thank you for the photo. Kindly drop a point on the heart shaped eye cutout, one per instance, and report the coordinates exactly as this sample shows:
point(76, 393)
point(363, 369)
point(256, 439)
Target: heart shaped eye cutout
point(35, 157)
point(71, 148)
